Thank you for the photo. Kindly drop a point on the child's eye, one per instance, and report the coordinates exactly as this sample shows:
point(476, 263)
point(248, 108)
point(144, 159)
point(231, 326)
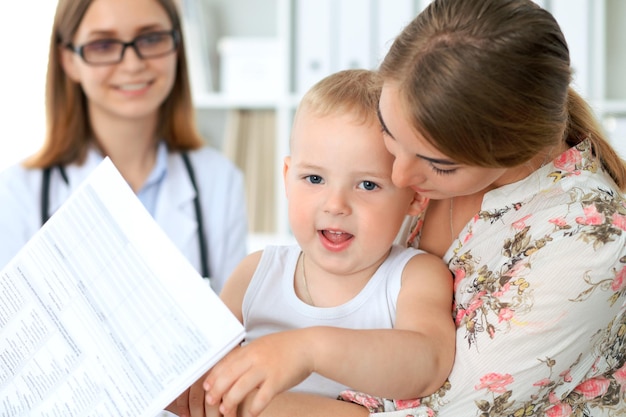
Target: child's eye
point(368, 185)
point(314, 179)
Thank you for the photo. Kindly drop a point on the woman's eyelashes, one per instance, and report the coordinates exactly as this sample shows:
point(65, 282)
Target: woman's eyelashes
point(440, 171)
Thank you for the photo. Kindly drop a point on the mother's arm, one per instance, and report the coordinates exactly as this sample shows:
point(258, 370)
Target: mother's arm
point(292, 404)
point(286, 404)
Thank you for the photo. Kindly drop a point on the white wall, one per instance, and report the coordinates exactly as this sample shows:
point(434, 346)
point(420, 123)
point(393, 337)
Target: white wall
point(25, 30)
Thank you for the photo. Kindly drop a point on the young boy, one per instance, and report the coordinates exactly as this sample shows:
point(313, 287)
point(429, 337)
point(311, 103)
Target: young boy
point(345, 308)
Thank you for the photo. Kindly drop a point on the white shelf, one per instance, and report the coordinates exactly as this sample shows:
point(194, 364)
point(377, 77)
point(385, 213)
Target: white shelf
point(209, 101)
point(217, 101)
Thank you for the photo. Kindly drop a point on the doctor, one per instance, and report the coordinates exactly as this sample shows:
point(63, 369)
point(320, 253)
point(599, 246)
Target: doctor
point(117, 86)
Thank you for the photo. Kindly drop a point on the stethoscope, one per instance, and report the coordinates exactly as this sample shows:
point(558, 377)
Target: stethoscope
point(45, 206)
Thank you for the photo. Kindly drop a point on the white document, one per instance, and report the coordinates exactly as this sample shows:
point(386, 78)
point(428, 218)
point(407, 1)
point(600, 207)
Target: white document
point(101, 315)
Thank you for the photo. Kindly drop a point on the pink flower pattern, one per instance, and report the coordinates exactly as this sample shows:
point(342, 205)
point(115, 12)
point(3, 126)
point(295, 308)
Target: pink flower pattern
point(543, 382)
point(505, 314)
point(495, 382)
point(559, 221)
point(593, 388)
point(521, 223)
point(620, 280)
point(591, 218)
point(559, 410)
point(619, 220)
point(620, 376)
point(566, 375)
point(568, 161)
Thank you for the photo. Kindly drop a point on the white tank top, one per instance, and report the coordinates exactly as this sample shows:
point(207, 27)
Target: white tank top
point(271, 304)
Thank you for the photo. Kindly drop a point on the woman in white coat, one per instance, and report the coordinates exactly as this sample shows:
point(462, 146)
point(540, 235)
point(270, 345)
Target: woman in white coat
point(117, 86)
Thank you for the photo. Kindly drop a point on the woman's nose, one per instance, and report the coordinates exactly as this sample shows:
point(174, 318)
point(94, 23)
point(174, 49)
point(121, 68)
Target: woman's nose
point(405, 173)
point(131, 58)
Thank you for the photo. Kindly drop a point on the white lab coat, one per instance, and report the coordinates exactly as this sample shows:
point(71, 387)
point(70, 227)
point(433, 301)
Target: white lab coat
point(222, 197)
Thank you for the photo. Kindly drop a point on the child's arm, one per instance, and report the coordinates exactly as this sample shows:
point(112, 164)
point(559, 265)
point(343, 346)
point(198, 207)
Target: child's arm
point(409, 361)
point(236, 285)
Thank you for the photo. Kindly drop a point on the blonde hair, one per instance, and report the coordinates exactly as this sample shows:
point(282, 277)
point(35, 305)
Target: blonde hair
point(488, 84)
point(68, 130)
point(353, 91)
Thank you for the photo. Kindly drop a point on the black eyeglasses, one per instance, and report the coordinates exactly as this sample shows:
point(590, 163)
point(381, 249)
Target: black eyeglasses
point(111, 51)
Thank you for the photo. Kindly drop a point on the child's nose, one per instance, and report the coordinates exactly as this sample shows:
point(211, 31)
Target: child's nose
point(337, 203)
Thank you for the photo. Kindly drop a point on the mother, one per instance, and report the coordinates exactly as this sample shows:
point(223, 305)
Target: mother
point(526, 208)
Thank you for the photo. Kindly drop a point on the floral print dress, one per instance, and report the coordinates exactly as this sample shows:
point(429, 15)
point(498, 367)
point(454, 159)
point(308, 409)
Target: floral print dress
point(540, 301)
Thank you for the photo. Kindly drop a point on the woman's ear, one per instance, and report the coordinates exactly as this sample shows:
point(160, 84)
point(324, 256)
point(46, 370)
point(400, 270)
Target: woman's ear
point(68, 62)
point(417, 205)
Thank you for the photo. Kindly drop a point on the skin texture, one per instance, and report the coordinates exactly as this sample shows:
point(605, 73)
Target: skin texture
point(338, 184)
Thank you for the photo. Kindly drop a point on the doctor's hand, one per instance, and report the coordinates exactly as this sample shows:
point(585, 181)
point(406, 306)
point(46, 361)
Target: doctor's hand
point(265, 368)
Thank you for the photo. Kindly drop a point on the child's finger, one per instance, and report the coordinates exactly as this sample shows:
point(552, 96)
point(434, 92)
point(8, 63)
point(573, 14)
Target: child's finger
point(248, 382)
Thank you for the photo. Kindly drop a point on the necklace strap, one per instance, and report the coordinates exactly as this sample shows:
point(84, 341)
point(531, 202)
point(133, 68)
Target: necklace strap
point(452, 218)
point(309, 299)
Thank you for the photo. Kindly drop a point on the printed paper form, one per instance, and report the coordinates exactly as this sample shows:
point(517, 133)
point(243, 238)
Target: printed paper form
point(101, 315)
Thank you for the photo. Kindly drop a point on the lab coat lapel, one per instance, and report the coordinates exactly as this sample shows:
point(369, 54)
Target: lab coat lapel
point(76, 174)
point(174, 210)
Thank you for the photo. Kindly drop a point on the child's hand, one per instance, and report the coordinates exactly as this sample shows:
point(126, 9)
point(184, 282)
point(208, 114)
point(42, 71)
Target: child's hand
point(273, 364)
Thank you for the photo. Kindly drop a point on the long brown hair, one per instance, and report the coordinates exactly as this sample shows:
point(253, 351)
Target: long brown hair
point(67, 123)
point(488, 83)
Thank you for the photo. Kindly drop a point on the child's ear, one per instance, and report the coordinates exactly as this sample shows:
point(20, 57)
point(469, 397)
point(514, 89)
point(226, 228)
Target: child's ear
point(417, 205)
point(286, 163)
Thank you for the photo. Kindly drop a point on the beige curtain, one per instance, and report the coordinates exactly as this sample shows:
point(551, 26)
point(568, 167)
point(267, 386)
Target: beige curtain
point(250, 142)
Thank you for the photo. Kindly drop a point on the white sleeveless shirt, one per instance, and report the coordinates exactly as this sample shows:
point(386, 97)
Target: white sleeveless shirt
point(271, 304)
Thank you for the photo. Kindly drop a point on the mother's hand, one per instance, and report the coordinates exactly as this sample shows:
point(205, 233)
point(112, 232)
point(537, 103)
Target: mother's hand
point(191, 402)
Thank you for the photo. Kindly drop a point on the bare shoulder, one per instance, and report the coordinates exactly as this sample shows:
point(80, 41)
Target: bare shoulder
point(236, 285)
point(427, 267)
point(248, 265)
point(425, 299)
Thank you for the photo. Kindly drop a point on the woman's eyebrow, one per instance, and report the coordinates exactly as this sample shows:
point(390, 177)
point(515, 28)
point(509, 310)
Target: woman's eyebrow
point(113, 33)
point(436, 160)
